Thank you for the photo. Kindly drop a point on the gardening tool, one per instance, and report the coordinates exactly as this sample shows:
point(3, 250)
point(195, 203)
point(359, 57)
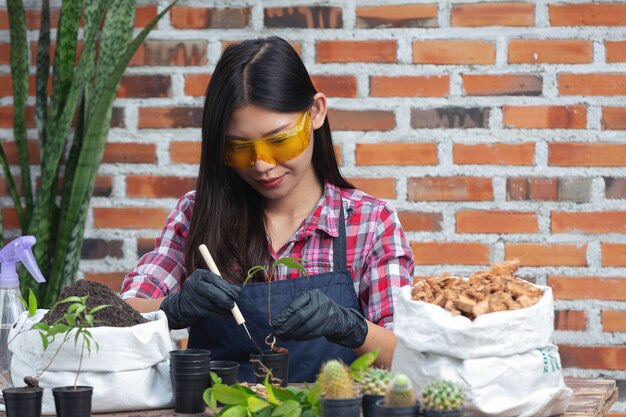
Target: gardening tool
point(204, 251)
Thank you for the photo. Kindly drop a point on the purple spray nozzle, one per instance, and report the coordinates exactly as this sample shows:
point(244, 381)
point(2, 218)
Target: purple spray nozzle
point(18, 250)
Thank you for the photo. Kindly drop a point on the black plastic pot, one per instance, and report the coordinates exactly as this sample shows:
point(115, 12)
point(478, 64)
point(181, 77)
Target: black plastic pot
point(386, 411)
point(342, 407)
point(181, 356)
point(449, 413)
point(70, 402)
point(226, 370)
point(188, 387)
point(278, 363)
point(22, 402)
point(370, 409)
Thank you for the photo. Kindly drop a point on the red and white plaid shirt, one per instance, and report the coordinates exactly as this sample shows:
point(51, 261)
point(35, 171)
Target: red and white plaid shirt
point(378, 255)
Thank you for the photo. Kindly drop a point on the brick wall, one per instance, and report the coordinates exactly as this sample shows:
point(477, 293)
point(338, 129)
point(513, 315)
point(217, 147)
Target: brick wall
point(496, 129)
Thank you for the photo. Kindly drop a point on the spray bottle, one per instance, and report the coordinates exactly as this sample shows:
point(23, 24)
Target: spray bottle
point(18, 250)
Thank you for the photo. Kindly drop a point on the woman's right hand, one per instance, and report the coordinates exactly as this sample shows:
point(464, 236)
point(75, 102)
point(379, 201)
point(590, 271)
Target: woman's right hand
point(204, 295)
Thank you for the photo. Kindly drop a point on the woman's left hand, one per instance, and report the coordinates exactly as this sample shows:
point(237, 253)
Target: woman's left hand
point(313, 314)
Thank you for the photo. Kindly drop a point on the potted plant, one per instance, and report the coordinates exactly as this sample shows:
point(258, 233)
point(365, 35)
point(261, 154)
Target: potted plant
point(443, 399)
point(339, 394)
point(372, 381)
point(399, 399)
point(83, 89)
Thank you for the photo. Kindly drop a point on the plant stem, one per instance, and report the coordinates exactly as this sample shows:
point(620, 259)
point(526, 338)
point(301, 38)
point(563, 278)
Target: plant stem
point(56, 352)
point(80, 363)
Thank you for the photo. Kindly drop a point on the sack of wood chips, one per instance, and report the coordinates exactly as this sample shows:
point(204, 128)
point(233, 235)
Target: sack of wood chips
point(490, 334)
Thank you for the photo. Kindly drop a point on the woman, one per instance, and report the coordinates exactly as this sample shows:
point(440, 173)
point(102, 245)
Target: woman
point(258, 200)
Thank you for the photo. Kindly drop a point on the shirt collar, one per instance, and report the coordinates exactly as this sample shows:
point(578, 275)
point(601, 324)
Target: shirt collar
point(325, 216)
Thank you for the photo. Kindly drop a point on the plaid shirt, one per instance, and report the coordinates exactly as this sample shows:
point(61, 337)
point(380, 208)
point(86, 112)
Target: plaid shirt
point(378, 255)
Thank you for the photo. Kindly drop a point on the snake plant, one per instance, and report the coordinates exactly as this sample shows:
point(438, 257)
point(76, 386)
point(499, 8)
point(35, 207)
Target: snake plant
point(83, 91)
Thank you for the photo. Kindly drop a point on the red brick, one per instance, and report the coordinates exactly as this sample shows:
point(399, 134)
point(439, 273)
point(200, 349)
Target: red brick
point(587, 154)
point(529, 188)
point(417, 221)
point(129, 217)
point(33, 19)
point(494, 154)
point(101, 248)
point(361, 119)
point(355, 51)
point(589, 222)
point(196, 84)
point(602, 14)
point(145, 86)
point(6, 117)
point(450, 118)
point(493, 14)
point(614, 320)
point(615, 51)
point(185, 152)
point(6, 85)
point(103, 186)
point(545, 117)
point(10, 150)
point(144, 15)
point(593, 357)
point(9, 218)
point(555, 254)
point(5, 54)
point(336, 85)
point(157, 186)
point(588, 288)
point(184, 17)
point(496, 221)
point(171, 53)
point(409, 86)
point(145, 245)
point(130, 153)
point(384, 188)
point(451, 52)
point(573, 320)
point(592, 84)
point(450, 253)
point(397, 153)
point(397, 16)
point(614, 118)
point(566, 51)
point(113, 280)
point(615, 188)
point(450, 189)
point(169, 117)
point(502, 85)
point(323, 17)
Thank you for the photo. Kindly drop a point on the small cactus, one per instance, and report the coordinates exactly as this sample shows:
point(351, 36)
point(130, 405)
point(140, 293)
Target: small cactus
point(335, 380)
point(442, 396)
point(400, 392)
point(374, 381)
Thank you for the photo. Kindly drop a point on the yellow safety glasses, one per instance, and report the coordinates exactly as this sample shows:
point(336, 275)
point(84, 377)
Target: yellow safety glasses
point(273, 150)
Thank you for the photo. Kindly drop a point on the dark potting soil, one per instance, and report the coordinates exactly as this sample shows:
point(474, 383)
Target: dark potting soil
point(118, 314)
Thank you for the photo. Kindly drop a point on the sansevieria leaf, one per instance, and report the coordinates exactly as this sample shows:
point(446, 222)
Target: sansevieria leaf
point(43, 73)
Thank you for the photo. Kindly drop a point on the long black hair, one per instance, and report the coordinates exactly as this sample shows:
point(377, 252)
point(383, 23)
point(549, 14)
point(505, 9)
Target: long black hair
point(228, 214)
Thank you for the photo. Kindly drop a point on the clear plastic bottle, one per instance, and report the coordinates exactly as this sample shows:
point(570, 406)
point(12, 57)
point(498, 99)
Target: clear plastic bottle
point(18, 250)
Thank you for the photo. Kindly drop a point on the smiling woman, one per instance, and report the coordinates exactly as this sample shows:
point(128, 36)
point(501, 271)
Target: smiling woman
point(269, 187)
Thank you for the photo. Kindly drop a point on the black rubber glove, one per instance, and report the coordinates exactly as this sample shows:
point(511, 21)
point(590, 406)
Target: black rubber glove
point(313, 314)
point(204, 295)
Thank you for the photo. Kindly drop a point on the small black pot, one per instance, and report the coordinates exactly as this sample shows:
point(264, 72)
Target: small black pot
point(278, 363)
point(448, 413)
point(188, 388)
point(387, 411)
point(70, 402)
point(370, 409)
point(342, 407)
point(23, 402)
point(226, 370)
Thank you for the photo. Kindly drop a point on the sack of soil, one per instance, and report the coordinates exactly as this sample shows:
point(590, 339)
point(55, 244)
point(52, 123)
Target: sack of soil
point(503, 360)
point(129, 370)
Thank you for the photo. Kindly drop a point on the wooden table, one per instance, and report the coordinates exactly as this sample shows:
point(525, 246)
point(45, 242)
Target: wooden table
point(592, 398)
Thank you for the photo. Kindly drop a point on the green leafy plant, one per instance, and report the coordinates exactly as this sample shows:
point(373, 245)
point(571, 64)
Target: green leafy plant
point(241, 401)
point(442, 396)
point(82, 90)
point(74, 323)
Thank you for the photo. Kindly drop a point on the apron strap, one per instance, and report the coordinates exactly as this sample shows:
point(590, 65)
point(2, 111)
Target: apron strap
point(340, 262)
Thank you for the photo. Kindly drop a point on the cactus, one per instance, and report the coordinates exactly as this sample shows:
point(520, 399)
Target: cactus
point(374, 381)
point(400, 392)
point(335, 380)
point(442, 396)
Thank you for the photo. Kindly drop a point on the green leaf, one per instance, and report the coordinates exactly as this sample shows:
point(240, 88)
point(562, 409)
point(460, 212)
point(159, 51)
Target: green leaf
point(43, 73)
point(44, 341)
point(271, 397)
point(15, 196)
point(215, 378)
point(360, 364)
point(32, 303)
point(71, 299)
point(89, 320)
point(58, 328)
point(41, 326)
point(235, 411)
point(283, 394)
point(289, 408)
point(292, 263)
point(256, 404)
point(209, 399)
point(98, 308)
point(229, 395)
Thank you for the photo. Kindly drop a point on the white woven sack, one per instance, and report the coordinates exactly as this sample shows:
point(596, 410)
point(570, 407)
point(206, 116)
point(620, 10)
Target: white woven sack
point(129, 371)
point(426, 327)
